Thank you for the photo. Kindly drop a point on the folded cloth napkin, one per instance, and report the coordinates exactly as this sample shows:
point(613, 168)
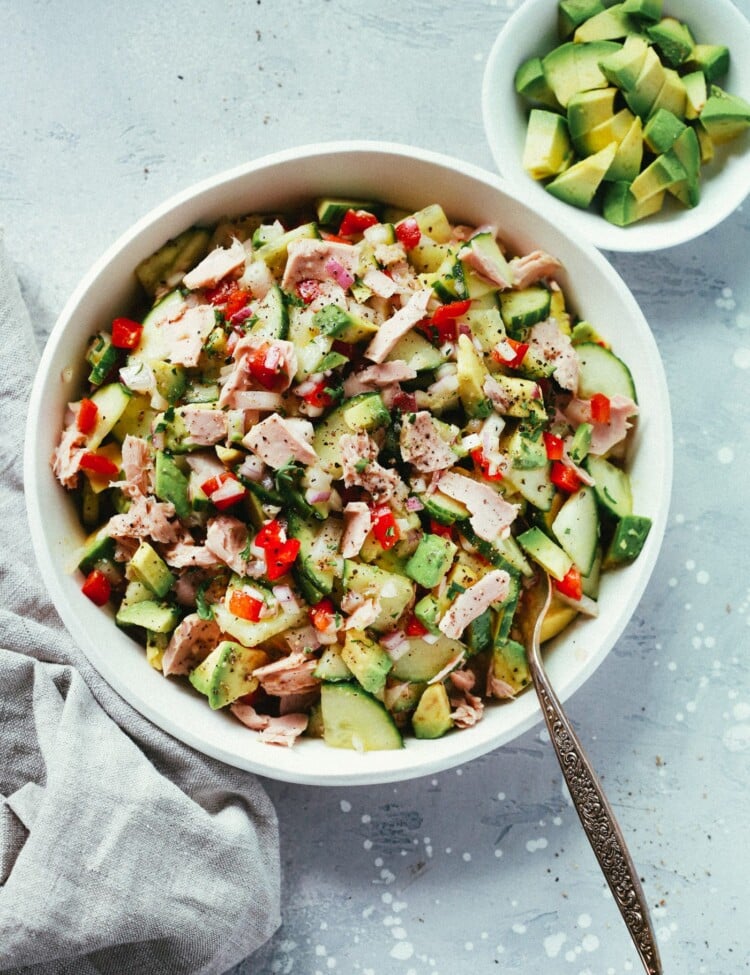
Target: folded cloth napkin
point(121, 849)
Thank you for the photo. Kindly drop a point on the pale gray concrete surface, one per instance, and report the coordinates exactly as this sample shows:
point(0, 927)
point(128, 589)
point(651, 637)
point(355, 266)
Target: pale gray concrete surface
point(108, 108)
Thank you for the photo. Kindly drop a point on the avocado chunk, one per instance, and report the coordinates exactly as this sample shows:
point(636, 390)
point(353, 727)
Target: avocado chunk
point(367, 660)
point(687, 149)
point(531, 84)
point(571, 13)
point(587, 109)
point(431, 560)
point(710, 59)
point(724, 116)
point(471, 373)
point(574, 67)
point(149, 614)
point(663, 172)
point(661, 130)
point(628, 540)
point(343, 324)
point(547, 149)
point(644, 9)
point(149, 568)
point(696, 93)
point(674, 40)
point(629, 156)
point(622, 67)
point(608, 25)
point(227, 673)
point(367, 411)
point(510, 664)
point(578, 185)
point(642, 95)
point(432, 717)
point(672, 94)
point(170, 484)
point(614, 129)
point(427, 611)
point(545, 552)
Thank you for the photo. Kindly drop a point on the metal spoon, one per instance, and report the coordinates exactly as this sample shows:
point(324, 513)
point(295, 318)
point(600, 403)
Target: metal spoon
point(594, 811)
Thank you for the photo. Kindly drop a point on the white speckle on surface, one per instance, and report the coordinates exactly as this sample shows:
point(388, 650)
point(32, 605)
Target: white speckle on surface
point(533, 845)
point(725, 455)
point(498, 853)
point(702, 577)
point(519, 928)
point(466, 857)
point(672, 665)
point(690, 565)
point(584, 921)
point(399, 934)
point(345, 806)
point(402, 951)
point(741, 711)
point(741, 358)
point(737, 739)
point(553, 943)
point(590, 942)
point(366, 818)
point(469, 946)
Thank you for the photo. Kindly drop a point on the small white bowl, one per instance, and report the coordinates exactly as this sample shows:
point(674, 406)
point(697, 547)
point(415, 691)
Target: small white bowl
point(407, 177)
point(725, 182)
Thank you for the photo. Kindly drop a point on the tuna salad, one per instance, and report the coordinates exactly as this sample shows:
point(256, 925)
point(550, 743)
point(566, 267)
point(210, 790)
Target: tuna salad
point(324, 463)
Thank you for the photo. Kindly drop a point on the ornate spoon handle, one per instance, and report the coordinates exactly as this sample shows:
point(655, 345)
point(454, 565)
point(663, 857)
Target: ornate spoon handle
point(596, 815)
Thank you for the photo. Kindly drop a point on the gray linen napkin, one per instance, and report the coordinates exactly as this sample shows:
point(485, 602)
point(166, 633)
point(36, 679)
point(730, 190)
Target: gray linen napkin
point(121, 850)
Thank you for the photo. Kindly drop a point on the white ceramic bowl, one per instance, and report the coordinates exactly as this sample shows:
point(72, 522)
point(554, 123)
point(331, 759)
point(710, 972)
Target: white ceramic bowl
point(725, 182)
point(408, 177)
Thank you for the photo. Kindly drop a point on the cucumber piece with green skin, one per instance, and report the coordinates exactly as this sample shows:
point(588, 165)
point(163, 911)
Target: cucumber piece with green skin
point(422, 660)
point(503, 553)
point(102, 356)
point(332, 210)
point(444, 509)
point(417, 352)
point(327, 440)
point(601, 371)
point(331, 666)
point(354, 719)
point(154, 345)
point(272, 317)
point(394, 592)
point(166, 266)
point(521, 309)
point(611, 486)
point(274, 252)
point(98, 548)
point(111, 402)
point(318, 559)
point(576, 528)
point(534, 484)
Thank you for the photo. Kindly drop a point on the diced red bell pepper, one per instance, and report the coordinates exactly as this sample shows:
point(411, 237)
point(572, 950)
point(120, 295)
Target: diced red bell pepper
point(88, 413)
point(98, 464)
point(335, 238)
point(126, 334)
point(571, 584)
point(384, 527)
point(266, 367)
point(553, 445)
point(483, 466)
point(601, 408)
point(269, 534)
point(445, 531)
point(564, 477)
point(408, 232)
point(245, 606)
point(280, 558)
point(322, 614)
point(451, 311)
point(308, 289)
point(97, 587)
point(224, 490)
point(237, 299)
point(356, 221)
point(319, 396)
point(220, 292)
point(414, 627)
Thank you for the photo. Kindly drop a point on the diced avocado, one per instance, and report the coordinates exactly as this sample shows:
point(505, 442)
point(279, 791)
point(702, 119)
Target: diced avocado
point(136, 419)
point(417, 352)
point(587, 109)
point(696, 93)
point(642, 95)
point(687, 150)
point(558, 616)
point(705, 142)
point(394, 592)
point(522, 308)
point(663, 172)
point(645, 9)
point(432, 717)
point(366, 411)
point(431, 560)
point(608, 25)
point(614, 129)
point(156, 645)
point(661, 130)
point(573, 67)
point(427, 611)
point(724, 116)
point(171, 380)
point(580, 442)
point(673, 39)
point(547, 149)
point(621, 208)
point(578, 185)
point(629, 156)
point(711, 59)
point(404, 696)
point(622, 67)
point(672, 95)
point(149, 568)
point(628, 540)
point(352, 718)
point(367, 660)
point(543, 550)
point(530, 82)
point(170, 484)
point(166, 267)
point(525, 448)
point(98, 547)
point(227, 673)
point(253, 634)
point(342, 324)
point(471, 374)
point(510, 664)
point(571, 13)
point(149, 614)
point(576, 528)
point(523, 397)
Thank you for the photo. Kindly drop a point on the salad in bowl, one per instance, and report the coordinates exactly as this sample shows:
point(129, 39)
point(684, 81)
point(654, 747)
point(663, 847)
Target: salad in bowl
point(322, 465)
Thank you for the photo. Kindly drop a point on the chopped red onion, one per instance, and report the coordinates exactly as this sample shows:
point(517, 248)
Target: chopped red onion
point(339, 273)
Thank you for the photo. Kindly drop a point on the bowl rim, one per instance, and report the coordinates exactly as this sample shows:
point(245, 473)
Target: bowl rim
point(658, 232)
point(418, 759)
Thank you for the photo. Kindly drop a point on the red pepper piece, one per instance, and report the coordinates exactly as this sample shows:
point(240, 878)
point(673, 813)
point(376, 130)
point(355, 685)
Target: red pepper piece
point(308, 290)
point(483, 466)
point(564, 477)
point(322, 613)
point(280, 558)
point(126, 334)
point(451, 311)
point(97, 587)
point(269, 534)
point(445, 531)
point(266, 367)
point(408, 232)
point(245, 606)
point(601, 408)
point(415, 628)
point(318, 395)
point(237, 299)
point(571, 584)
point(553, 445)
point(356, 221)
point(224, 490)
point(384, 527)
point(88, 413)
point(219, 294)
point(98, 464)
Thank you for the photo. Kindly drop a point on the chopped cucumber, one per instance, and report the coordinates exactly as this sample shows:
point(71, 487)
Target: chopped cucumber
point(352, 718)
